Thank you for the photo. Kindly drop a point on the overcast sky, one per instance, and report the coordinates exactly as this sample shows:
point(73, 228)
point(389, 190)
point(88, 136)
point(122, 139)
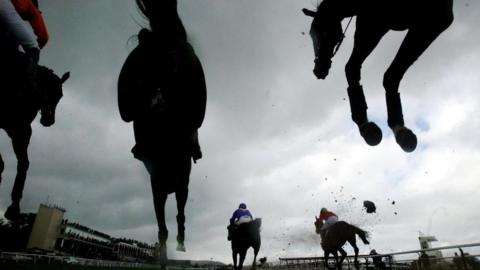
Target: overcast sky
point(274, 137)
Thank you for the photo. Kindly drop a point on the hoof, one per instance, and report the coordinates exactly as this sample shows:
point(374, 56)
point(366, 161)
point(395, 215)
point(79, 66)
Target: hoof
point(13, 212)
point(181, 247)
point(406, 139)
point(162, 255)
point(371, 133)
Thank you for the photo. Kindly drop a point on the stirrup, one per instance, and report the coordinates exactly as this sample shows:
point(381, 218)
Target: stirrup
point(371, 133)
point(405, 138)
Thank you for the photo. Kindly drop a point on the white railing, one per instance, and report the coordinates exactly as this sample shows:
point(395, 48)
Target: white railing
point(315, 262)
point(54, 259)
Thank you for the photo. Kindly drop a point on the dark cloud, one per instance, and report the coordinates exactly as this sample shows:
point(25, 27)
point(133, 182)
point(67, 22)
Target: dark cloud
point(272, 135)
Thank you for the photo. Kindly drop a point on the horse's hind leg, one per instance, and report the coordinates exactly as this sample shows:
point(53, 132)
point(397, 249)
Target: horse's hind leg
point(20, 141)
point(367, 37)
point(417, 40)
point(181, 197)
point(353, 243)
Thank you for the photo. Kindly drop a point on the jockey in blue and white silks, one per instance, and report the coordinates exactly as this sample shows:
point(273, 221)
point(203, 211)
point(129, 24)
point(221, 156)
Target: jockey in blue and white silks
point(241, 215)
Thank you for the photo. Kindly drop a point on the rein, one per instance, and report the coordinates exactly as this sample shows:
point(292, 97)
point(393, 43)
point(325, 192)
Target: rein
point(341, 39)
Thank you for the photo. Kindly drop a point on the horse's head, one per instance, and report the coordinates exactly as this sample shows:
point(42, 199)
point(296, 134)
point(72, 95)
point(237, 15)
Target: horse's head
point(50, 86)
point(326, 32)
point(318, 225)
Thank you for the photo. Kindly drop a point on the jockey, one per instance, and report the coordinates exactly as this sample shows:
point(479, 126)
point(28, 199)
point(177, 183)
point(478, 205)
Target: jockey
point(15, 32)
point(241, 215)
point(328, 219)
point(28, 10)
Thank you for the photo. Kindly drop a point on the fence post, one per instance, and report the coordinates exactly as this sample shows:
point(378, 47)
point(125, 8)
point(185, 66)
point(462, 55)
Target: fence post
point(463, 258)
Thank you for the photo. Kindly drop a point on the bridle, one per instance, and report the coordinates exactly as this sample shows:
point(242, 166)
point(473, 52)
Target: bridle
point(335, 50)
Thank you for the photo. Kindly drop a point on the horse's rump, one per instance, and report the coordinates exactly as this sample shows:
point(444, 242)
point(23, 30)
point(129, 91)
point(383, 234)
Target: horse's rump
point(249, 230)
point(341, 231)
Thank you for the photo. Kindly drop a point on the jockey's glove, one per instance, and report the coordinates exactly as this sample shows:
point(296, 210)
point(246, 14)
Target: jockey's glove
point(33, 54)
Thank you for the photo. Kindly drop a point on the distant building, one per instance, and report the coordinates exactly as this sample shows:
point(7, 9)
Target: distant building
point(425, 243)
point(52, 233)
point(46, 228)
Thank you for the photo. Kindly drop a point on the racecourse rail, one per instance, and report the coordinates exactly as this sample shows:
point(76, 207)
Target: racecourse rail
point(297, 261)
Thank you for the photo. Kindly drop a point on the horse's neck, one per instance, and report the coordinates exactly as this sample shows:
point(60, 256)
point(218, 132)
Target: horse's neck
point(158, 42)
point(171, 31)
point(340, 8)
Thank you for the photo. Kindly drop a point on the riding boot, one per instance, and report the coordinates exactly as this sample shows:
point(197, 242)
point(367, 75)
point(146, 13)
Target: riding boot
point(181, 233)
point(229, 229)
point(370, 132)
point(322, 235)
point(403, 136)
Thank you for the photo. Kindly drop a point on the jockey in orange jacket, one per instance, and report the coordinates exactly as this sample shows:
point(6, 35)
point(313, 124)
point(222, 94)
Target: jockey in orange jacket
point(15, 32)
point(17, 67)
point(328, 219)
point(28, 10)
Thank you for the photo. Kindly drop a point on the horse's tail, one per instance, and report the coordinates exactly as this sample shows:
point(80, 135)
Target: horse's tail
point(362, 234)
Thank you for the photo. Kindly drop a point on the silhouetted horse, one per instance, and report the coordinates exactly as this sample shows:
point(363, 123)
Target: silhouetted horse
point(336, 236)
point(424, 20)
point(162, 89)
point(244, 236)
point(18, 108)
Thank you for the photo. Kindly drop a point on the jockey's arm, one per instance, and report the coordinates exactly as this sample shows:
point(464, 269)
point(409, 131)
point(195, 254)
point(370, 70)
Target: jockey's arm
point(29, 12)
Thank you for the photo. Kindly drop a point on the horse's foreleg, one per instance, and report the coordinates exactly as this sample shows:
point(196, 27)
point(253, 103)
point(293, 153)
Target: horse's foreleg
point(185, 166)
point(337, 262)
point(159, 200)
point(243, 254)
point(234, 255)
point(353, 243)
point(367, 37)
point(2, 167)
point(181, 197)
point(254, 264)
point(325, 258)
point(417, 40)
point(20, 141)
point(343, 254)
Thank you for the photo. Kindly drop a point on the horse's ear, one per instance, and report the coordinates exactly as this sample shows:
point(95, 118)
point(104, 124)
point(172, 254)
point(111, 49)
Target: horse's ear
point(65, 77)
point(309, 13)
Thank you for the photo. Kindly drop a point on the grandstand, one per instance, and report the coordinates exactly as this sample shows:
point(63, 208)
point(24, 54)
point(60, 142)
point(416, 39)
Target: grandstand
point(49, 233)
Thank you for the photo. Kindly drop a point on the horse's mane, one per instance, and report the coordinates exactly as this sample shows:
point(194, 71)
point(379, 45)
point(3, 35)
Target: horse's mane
point(44, 70)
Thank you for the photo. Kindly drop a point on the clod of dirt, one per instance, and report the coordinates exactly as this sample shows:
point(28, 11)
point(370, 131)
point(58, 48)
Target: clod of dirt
point(369, 206)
